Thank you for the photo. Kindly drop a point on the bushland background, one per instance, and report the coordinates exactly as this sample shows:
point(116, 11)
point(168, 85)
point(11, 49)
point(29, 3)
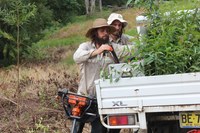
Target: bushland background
point(38, 39)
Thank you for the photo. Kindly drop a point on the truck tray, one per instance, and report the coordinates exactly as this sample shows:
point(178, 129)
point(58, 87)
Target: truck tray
point(149, 91)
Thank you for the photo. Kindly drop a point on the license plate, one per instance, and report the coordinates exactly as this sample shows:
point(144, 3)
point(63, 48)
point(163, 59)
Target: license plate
point(189, 119)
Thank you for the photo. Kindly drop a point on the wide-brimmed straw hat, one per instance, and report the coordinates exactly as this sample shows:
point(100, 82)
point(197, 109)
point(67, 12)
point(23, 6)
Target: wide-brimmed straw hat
point(116, 16)
point(99, 23)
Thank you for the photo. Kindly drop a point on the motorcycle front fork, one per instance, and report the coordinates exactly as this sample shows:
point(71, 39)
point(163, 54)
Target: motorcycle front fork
point(77, 127)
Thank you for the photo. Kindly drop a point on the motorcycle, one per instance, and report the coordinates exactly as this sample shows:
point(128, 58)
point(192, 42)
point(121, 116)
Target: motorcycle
point(80, 109)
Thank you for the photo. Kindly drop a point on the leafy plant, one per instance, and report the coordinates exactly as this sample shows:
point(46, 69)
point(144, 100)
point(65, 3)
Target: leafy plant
point(14, 17)
point(172, 43)
point(173, 37)
point(39, 127)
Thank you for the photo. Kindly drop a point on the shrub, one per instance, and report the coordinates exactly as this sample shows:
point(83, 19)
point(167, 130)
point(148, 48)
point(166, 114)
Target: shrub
point(172, 43)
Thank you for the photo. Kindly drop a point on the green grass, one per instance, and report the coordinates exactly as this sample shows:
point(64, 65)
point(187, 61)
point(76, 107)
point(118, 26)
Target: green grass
point(132, 32)
point(61, 42)
point(68, 60)
point(179, 5)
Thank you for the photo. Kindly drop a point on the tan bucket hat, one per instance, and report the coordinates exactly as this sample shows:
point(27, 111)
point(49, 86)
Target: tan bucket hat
point(99, 23)
point(116, 16)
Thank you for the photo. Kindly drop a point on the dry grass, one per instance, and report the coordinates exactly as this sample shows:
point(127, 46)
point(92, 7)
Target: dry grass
point(39, 83)
point(39, 110)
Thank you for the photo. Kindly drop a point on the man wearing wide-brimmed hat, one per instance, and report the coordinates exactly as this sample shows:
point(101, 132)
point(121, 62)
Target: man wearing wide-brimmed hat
point(119, 23)
point(92, 59)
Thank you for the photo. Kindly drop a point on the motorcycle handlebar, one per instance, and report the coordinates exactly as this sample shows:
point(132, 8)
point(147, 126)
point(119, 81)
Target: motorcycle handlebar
point(62, 92)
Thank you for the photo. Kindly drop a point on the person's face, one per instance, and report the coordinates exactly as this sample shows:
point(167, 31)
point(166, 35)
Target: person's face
point(103, 35)
point(118, 26)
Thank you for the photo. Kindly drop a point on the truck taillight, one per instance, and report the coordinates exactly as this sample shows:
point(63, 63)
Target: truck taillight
point(121, 120)
point(194, 131)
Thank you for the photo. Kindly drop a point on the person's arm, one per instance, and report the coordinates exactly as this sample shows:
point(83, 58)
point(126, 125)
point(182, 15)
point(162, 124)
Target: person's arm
point(127, 39)
point(83, 53)
point(123, 51)
point(101, 49)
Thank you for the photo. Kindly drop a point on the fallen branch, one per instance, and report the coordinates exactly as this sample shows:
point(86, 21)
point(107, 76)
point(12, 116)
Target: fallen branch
point(5, 98)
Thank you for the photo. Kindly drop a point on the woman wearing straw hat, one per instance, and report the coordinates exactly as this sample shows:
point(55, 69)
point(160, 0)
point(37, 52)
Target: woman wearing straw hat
point(119, 23)
point(91, 58)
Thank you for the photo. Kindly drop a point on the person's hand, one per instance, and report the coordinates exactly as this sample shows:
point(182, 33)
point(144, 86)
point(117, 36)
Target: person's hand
point(103, 48)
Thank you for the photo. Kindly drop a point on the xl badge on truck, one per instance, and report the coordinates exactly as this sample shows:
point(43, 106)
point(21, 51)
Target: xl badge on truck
point(118, 103)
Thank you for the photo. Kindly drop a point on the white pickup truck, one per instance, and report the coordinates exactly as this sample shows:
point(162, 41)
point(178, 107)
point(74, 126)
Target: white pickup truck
point(151, 104)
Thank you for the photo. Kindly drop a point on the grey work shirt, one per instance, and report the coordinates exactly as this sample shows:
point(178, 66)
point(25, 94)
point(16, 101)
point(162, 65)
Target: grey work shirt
point(90, 67)
point(123, 40)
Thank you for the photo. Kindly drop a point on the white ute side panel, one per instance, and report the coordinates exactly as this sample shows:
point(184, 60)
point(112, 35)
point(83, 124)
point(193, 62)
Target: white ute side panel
point(148, 91)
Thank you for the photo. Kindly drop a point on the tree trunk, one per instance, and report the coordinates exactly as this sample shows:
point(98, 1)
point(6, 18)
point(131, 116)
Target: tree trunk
point(100, 5)
point(87, 6)
point(1, 52)
point(2, 26)
point(92, 6)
